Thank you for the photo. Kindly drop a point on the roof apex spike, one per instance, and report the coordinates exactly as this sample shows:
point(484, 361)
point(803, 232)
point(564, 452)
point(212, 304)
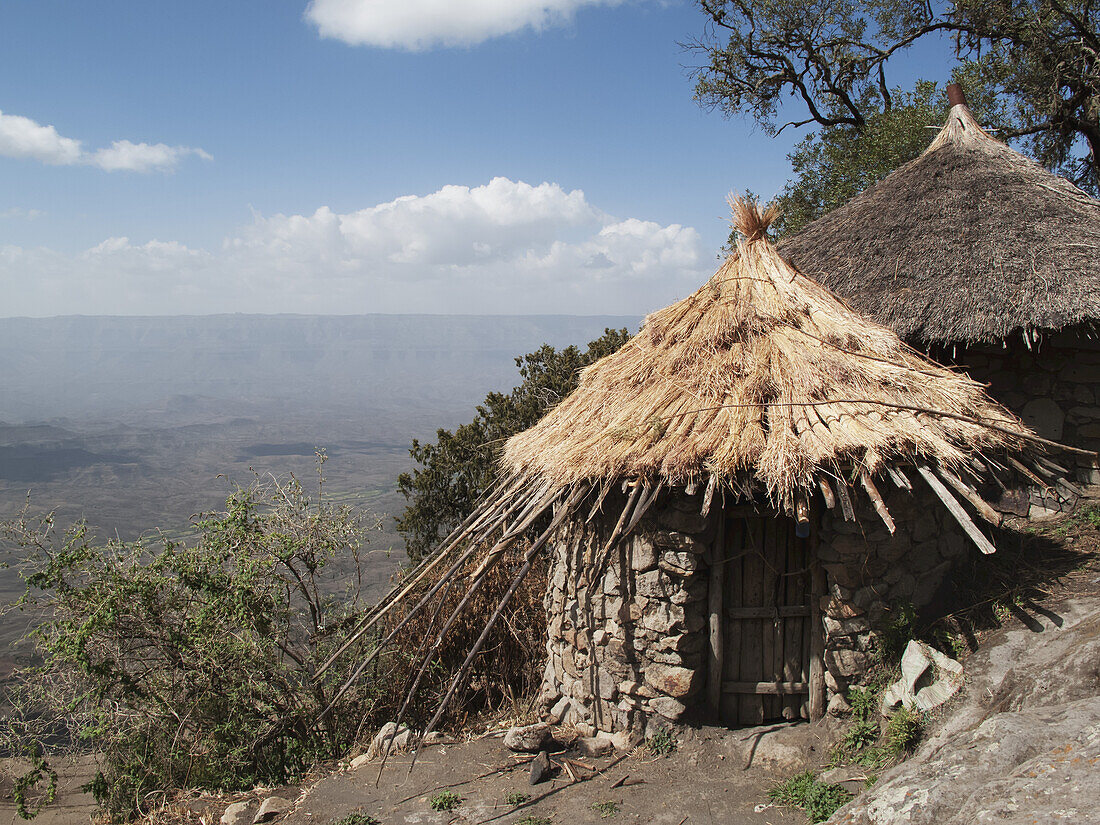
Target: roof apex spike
point(955, 95)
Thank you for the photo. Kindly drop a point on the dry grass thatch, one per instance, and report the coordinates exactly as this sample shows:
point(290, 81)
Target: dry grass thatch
point(970, 242)
point(761, 376)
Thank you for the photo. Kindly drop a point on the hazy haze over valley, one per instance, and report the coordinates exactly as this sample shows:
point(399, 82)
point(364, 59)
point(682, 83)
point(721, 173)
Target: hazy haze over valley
point(129, 422)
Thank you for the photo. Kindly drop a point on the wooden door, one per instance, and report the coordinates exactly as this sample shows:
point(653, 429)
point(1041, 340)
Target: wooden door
point(769, 620)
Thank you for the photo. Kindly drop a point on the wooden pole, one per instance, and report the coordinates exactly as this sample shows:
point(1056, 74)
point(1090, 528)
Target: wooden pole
point(817, 641)
point(716, 602)
point(955, 509)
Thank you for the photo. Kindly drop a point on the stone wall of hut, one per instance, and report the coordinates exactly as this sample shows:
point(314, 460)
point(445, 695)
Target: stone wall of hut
point(628, 650)
point(1054, 386)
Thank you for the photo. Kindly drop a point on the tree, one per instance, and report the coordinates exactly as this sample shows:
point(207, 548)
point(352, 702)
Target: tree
point(831, 56)
point(460, 466)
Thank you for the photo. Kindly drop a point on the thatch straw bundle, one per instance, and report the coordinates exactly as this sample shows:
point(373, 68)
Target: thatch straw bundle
point(761, 376)
point(969, 242)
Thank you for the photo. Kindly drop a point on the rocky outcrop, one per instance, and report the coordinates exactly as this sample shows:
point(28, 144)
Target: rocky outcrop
point(1023, 746)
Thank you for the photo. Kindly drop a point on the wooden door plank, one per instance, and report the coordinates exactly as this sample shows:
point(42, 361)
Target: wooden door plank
point(731, 666)
point(752, 707)
point(715, 595)
point(817, 644)
point(769, 580)
point(766, 688)
point(786, 611)
point(792, 630)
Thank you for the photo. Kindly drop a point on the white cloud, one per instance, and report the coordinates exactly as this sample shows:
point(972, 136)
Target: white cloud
point(423, 24)
point(19, 212)
point(23, 138)
point(504, 247)
point(143, 157)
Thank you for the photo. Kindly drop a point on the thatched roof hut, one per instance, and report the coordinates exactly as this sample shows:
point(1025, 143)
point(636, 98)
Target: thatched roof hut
point(756, 447)
point(984, 258)
point(970, 242)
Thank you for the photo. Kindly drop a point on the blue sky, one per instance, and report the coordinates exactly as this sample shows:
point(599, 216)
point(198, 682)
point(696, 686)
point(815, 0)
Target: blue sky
point(361, 156)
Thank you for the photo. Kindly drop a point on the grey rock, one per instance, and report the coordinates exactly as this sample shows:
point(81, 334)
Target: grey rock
point(527, 738)
point(1022, 743)
point(540, 768)
point(928, 679)
point(270, 808)
point(594, 746)
point(236, 814)
point(668, 707)
point(397, 739)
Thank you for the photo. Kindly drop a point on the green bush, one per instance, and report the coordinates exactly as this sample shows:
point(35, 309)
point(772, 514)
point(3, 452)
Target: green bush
point(356, 819)
point(662, 743)
point(445, 801)
point(817, 799)
point(903, 731)
point(191, 664)
point(515, 798)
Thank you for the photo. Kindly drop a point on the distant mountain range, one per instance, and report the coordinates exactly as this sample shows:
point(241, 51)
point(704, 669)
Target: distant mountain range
point(203, 369)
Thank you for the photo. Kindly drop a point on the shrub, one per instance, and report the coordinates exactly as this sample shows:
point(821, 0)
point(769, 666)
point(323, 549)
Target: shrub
point(606, 809)
point(662, 743)
point(356, 819)
point(516, 798)
point(903, 731)
point(445, 801)
point(192, 665)
point(817, 799)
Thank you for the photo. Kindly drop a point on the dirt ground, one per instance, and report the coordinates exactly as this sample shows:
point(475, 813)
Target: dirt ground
point(711, 778)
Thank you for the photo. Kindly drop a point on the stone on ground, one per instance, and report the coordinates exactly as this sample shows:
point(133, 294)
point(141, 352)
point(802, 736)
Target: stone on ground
point(540, 768)
point(527, 738)
point(236, 814)
point(270, 808)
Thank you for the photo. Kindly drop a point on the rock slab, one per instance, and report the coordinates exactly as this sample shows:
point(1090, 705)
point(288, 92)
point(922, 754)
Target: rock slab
point(527, 738)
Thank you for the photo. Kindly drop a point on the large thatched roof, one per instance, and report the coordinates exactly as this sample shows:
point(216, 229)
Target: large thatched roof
point(969, 242)
point(761, 376)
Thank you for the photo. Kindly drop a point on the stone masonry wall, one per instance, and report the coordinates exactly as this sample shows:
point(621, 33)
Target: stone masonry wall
point(868, 571)
point(1055, 388)
point(628, 652)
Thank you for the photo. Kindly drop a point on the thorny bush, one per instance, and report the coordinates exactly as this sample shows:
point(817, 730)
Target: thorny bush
point(190, 664)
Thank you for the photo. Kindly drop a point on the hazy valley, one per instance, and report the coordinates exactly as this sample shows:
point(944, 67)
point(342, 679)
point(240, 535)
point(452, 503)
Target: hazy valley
point(138, 423)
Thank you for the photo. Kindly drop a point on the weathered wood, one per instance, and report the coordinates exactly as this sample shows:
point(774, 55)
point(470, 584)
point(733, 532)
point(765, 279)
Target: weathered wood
point(786, 611)
point(715, 598)
point(899, 478)
point(773, 627)
point(752, 595)
point(708, 496)
point(817, 643)
point(956, 510)
point(765, 688)
point(1025, 471)
point(736, 530)
point(1057, 479)
point(845, 499)
point(876, 499)
point(826, 492)
point(976, 501)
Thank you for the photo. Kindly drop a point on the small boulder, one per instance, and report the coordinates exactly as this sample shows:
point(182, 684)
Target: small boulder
point(594, 746)
point(235, 814)
point(557, 713)
point(271, 808)
point(540, 768)
point(928, 679)
point(389, 736)
point(625, 740)
point(527, 738)
point(838, 706)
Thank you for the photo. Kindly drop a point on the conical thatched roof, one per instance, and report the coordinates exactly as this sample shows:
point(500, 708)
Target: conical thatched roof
point(969, 242)
point(764, 376)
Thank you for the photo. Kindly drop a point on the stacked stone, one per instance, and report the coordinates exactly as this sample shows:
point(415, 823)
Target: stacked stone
point(869, 570)
point(1054, 386)
point(628, 653)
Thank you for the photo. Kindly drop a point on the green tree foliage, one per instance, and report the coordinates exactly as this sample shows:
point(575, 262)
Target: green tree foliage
point(460, 466)
point(190, 664)
point(1042, 57)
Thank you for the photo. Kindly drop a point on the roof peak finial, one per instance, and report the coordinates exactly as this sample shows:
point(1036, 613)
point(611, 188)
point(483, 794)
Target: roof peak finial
point(955, 94)
point(749, 218)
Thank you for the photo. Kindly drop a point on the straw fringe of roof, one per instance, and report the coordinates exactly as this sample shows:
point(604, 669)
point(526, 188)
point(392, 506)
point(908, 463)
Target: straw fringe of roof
point(761, 377)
